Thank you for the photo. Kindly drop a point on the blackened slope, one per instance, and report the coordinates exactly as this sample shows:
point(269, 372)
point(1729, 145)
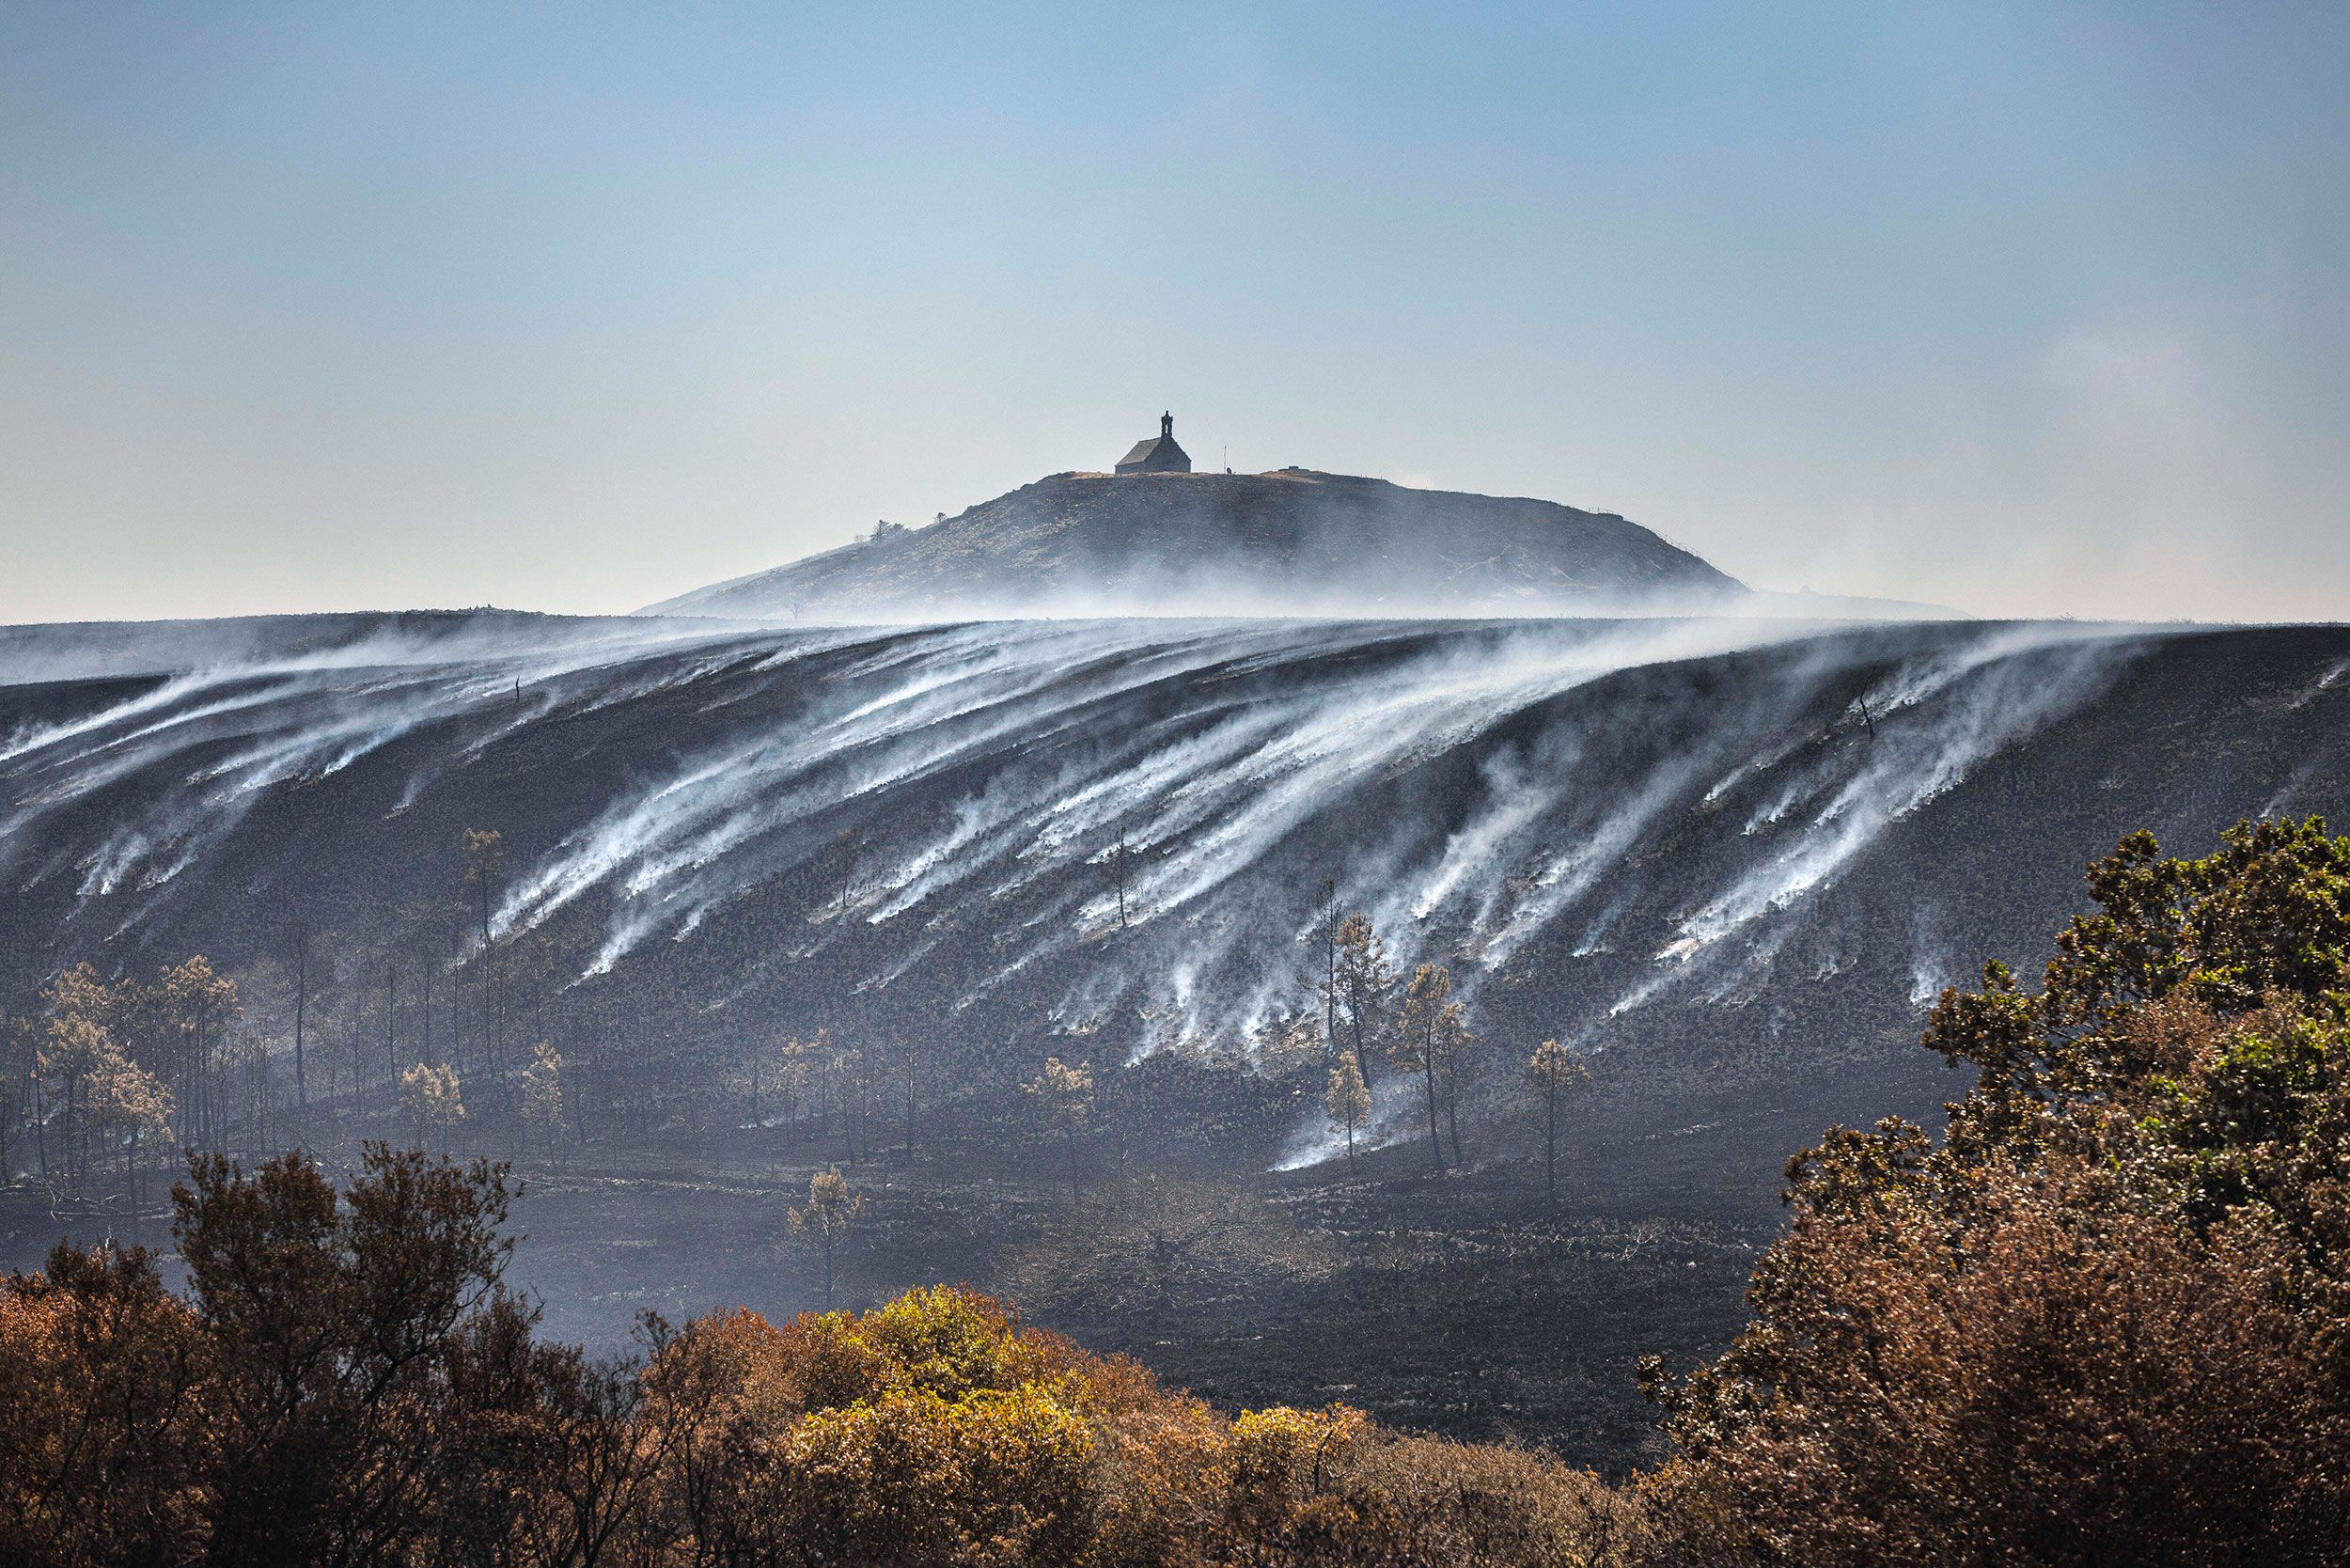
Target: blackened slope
point(1292, 542)
point(78, 650)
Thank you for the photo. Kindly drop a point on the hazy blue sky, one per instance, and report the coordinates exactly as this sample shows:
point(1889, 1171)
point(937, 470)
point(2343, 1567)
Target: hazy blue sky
point(2031, 310)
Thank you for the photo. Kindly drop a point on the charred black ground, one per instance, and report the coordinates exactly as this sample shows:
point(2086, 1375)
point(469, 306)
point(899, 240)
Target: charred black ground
point(1734, 861)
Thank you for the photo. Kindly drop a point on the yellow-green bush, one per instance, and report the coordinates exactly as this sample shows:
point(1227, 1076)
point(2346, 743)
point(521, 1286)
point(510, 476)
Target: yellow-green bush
point(936, 1430)
point(995, 1476)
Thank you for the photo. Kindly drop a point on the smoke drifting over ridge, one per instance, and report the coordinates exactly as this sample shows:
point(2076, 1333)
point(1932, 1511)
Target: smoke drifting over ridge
point(1637, 835)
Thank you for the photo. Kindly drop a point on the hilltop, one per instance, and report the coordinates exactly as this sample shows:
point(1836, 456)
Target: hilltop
point(1292, 542)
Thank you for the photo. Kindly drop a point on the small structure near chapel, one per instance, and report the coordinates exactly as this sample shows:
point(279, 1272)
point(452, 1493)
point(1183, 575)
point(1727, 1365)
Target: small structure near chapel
point(1161, 456)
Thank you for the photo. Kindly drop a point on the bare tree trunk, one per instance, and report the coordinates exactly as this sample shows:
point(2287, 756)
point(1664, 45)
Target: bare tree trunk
point(1550, 1147)
point(73, 1134)
point(391, 1022)
point(1330, 970)
point(1122, 856)
point(302, 1007)
point(855, 847)
point(1428, 1073)
point(456, 1010)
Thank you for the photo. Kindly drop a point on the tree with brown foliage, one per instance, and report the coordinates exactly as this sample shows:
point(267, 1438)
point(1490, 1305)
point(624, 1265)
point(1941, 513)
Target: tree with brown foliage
point(795, 1076)
point(107, 1103)
point(484, 852)
point(1451, 1043)
point(2101, 1319)
point(1556, 1074)
point(74, 1053)
point(133, 1111)
point(824, 1223)
point(543, 1098)
point(346, 1381)
point(1362, 982)
point(1348, 1102)
point(192, 1008)
point(326, 1314)
point(105, 1415)
point(433, 1101)
point(1429, 1036)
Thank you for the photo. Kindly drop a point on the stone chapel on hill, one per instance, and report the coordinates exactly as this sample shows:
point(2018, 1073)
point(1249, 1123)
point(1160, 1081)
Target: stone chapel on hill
point(1161, 456)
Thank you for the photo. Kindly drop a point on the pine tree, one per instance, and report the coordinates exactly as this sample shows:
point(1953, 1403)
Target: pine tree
point(831, 1212)
point(1349, 1102)
point(1423, 1035)
point(1362, 982)
point(542, 1097)
point(433, 1100)
point(1555, 1074)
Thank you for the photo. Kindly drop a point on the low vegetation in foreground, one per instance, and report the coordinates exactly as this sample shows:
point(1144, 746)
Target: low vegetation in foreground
point(346, 1381)
point(2103, 1317)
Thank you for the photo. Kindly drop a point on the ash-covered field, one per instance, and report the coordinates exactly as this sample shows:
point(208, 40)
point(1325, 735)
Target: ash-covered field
point(1733, 860)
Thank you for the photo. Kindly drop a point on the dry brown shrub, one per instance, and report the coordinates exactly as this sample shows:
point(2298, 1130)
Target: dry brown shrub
point(100, 1414)
point(2067, 1382)
point(1493, 1504)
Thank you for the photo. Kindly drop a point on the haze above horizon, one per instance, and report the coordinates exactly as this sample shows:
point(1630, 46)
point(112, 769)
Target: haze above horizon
point(2029, 310)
